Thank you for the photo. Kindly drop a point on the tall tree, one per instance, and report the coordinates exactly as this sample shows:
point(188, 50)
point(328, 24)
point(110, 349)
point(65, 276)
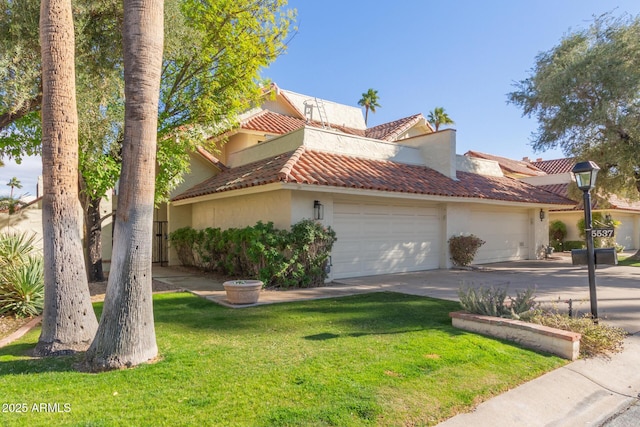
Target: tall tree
point(439, 117)
point(213, 55)
point(585, 94)
point(14, 183)
point(69, 322)
point(369, 101)
point(126, 335)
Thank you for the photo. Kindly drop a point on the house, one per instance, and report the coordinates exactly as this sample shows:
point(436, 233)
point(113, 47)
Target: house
point(555, 176)
point(394, 193)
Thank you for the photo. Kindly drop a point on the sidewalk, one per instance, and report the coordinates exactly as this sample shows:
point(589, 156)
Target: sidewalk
point(583, 393)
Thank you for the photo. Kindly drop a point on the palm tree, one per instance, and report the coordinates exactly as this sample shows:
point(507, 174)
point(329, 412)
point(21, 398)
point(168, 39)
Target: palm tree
point(69, 322)
point(438, 117)
point(370, 102)
point(126, 335)
point(14, 183)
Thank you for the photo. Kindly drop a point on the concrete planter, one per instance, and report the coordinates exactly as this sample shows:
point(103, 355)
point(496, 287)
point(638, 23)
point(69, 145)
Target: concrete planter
point(536, 337)
point(243, 291)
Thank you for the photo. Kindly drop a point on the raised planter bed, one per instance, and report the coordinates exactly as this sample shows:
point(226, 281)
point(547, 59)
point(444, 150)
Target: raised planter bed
point(536, 337)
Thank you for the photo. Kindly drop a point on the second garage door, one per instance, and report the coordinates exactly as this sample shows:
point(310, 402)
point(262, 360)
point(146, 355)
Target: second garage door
point(379, 239)
point(506, 235)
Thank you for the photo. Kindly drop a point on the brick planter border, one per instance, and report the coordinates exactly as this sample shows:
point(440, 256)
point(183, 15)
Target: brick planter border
point(536, 337)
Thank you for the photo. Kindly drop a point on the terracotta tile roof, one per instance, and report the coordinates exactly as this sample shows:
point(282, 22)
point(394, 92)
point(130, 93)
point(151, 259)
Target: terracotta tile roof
point(305, 166)
point(211, 158)
point(390, 131)
point(613, 201)
point(279, 124)
point(509, 166)
point(556, 166)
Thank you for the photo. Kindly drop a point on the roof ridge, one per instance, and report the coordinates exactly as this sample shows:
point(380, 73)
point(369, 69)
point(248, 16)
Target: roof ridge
point(285, 173)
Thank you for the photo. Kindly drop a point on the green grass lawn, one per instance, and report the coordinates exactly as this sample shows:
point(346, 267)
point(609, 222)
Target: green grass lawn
point(382, 359)
point(628, 262)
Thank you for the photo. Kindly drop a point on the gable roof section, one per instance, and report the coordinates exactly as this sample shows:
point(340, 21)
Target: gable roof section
point(556, 166)
point(392, 130)
point(509, 166)
point(304, 166)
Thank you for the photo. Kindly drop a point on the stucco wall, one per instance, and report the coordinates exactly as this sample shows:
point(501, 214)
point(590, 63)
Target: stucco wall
point(234, 212)
point(201, 169)
point(627, 234)
point(27, 220)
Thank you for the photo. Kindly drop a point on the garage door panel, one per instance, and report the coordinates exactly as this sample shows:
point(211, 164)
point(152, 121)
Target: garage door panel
point(389, 239)
point(506, 235)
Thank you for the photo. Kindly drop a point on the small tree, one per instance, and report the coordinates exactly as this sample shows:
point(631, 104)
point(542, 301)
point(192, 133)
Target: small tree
point(557, 233)
point(463, 249)
point(369, 101)
point(438, 117)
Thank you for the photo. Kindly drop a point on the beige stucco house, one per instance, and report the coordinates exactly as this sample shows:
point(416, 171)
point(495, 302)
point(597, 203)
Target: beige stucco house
point(394, 193)
point(555, 176)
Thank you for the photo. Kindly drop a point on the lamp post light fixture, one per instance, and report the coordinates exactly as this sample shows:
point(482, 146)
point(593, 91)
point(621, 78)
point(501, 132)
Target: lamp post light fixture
point(585, 174)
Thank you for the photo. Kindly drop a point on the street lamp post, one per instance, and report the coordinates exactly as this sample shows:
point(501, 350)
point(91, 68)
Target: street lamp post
point(585, 174)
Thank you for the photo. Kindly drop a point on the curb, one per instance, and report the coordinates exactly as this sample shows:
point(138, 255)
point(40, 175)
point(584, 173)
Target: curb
point(20, 332)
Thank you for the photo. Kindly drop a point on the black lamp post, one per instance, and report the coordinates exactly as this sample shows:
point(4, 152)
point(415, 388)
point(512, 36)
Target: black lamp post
point(585, 174)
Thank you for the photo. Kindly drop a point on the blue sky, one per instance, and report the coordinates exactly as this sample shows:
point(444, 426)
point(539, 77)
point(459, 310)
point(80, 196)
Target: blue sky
point(463, 55)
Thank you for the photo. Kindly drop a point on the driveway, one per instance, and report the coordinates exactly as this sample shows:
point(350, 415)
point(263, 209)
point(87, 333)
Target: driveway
point(556, 280)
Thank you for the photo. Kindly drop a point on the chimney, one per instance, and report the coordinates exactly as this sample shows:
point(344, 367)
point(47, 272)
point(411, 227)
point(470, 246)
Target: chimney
point(539, 159)
point(526, 159)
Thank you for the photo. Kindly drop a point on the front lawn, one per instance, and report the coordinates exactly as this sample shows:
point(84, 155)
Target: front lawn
point(627, 261)
point(381, 359)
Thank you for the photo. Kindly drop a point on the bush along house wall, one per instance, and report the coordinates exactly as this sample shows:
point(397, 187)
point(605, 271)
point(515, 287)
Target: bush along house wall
point(279, 258)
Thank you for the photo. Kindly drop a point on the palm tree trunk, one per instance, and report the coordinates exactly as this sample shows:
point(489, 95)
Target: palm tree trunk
point(126, 335)
point(69, 322)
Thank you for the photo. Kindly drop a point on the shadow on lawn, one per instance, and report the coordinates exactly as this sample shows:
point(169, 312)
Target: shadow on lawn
point(35, 365)
point(378, 312)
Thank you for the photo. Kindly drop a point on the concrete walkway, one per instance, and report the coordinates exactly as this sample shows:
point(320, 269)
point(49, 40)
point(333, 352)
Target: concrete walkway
point(592, 392)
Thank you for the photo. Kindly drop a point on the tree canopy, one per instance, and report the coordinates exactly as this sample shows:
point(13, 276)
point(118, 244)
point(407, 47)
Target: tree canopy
point(370, 102)
point(439, 117)
point(585, 94)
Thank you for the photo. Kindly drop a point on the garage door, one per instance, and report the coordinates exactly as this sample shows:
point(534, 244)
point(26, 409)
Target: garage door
point(506, 235)
point(624, 232)
point(379, 239)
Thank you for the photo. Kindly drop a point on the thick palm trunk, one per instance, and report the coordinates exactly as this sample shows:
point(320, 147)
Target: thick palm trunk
point(69, 322)
point(126, 335)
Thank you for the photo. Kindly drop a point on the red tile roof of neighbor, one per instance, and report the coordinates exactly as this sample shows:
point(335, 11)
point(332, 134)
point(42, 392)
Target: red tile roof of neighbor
point(304, 166)
point(392, 130)
point(556, 166)
point(279, 124)
point(509, 165)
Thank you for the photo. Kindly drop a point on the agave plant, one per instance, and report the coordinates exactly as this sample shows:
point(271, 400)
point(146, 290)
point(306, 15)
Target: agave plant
point(21, 276)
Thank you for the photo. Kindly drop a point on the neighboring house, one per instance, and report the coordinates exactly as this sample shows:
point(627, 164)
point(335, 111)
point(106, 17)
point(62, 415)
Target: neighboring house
point(555, 176)
point(26, 219)
point(394, 193)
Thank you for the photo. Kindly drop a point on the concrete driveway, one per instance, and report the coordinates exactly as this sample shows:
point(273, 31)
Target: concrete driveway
point(556, 280)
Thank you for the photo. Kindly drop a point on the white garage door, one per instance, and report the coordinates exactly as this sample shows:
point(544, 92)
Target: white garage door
point(379, 239)
point(506, 235)
point(624, 232)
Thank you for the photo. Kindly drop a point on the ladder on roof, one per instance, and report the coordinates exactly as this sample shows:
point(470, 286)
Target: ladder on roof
point(322, 112)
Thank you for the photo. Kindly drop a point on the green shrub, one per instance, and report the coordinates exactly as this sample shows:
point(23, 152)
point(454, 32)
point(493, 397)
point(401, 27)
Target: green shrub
point(21, 276)
point(279, 258)
point(463, 249)
point(492, 301)
point(557, 233)
point(573, 244)
point(22, 289)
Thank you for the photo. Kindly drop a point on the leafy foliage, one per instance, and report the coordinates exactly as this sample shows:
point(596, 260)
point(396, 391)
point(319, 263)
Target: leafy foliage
point(280, 258)
point(463, 249)
point(584, 92)
point(21, 276)
point(439, 117)
point(598, 220)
